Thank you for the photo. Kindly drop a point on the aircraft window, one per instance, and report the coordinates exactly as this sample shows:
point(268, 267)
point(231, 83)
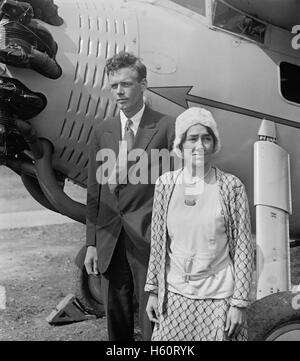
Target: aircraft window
point(196, 5)
point(230, 19)
point(289, 81)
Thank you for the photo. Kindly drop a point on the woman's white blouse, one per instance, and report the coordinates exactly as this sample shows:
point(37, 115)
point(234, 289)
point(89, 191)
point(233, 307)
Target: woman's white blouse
point(198, 261)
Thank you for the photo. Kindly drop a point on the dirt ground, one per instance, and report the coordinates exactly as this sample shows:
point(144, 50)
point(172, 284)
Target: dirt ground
point(37, 271)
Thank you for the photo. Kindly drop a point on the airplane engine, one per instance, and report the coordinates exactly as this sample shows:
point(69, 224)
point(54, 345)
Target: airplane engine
point(52, 92)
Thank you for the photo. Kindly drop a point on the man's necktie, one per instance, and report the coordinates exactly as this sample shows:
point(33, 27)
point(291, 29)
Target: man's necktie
point(119, 173)
point(128, 134)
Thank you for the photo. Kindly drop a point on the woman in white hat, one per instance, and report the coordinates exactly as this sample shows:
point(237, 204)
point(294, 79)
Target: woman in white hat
point(201, 260)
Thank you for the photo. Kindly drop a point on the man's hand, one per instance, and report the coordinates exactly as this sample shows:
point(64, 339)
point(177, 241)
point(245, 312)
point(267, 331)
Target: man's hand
point(234, 321)
point(151, 308)
point(91, 261)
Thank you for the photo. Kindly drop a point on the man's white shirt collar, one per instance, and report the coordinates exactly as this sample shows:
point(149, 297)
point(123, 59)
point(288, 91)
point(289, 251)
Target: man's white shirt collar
point(136, 119)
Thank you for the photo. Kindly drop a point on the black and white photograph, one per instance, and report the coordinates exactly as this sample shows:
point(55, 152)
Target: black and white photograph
point(149, 172)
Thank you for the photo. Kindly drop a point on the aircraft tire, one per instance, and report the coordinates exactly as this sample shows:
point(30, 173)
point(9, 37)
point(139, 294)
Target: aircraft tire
point(275, 317)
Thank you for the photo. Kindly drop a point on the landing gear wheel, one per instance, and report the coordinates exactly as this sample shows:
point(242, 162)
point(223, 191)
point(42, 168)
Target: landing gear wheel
point(275, 318)
point(88, 287)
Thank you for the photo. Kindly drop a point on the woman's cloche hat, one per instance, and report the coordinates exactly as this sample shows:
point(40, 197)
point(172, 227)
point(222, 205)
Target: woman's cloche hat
point(190, 117)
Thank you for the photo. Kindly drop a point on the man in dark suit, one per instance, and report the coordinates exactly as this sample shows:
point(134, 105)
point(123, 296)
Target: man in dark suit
point(119, 215)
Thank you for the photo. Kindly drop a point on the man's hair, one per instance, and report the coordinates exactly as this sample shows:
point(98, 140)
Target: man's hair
point(126, 60)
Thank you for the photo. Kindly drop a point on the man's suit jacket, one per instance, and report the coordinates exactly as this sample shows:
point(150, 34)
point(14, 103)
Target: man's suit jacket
point(130, 206)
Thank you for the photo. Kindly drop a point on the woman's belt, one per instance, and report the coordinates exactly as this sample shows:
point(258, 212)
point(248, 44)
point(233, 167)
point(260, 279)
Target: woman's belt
point(210, 271)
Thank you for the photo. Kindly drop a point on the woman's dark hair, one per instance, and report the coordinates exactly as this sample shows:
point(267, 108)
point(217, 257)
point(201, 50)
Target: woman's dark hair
point(126, 60)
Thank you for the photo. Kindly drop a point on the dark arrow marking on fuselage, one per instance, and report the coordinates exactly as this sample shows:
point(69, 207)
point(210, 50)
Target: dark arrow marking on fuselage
point(180, 95)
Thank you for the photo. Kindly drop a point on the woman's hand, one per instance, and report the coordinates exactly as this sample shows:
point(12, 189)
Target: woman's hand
point(234, 321)
point(151, 308)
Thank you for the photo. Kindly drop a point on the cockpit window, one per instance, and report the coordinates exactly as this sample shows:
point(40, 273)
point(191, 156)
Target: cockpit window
point(230, 19)
point(196, 5)
point(289, 81)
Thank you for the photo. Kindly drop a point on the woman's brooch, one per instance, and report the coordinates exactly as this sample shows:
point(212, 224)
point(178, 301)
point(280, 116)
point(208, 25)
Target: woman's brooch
point(190, 202)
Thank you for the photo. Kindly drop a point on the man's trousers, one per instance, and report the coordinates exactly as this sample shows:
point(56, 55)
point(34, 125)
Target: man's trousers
point(124, 278)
